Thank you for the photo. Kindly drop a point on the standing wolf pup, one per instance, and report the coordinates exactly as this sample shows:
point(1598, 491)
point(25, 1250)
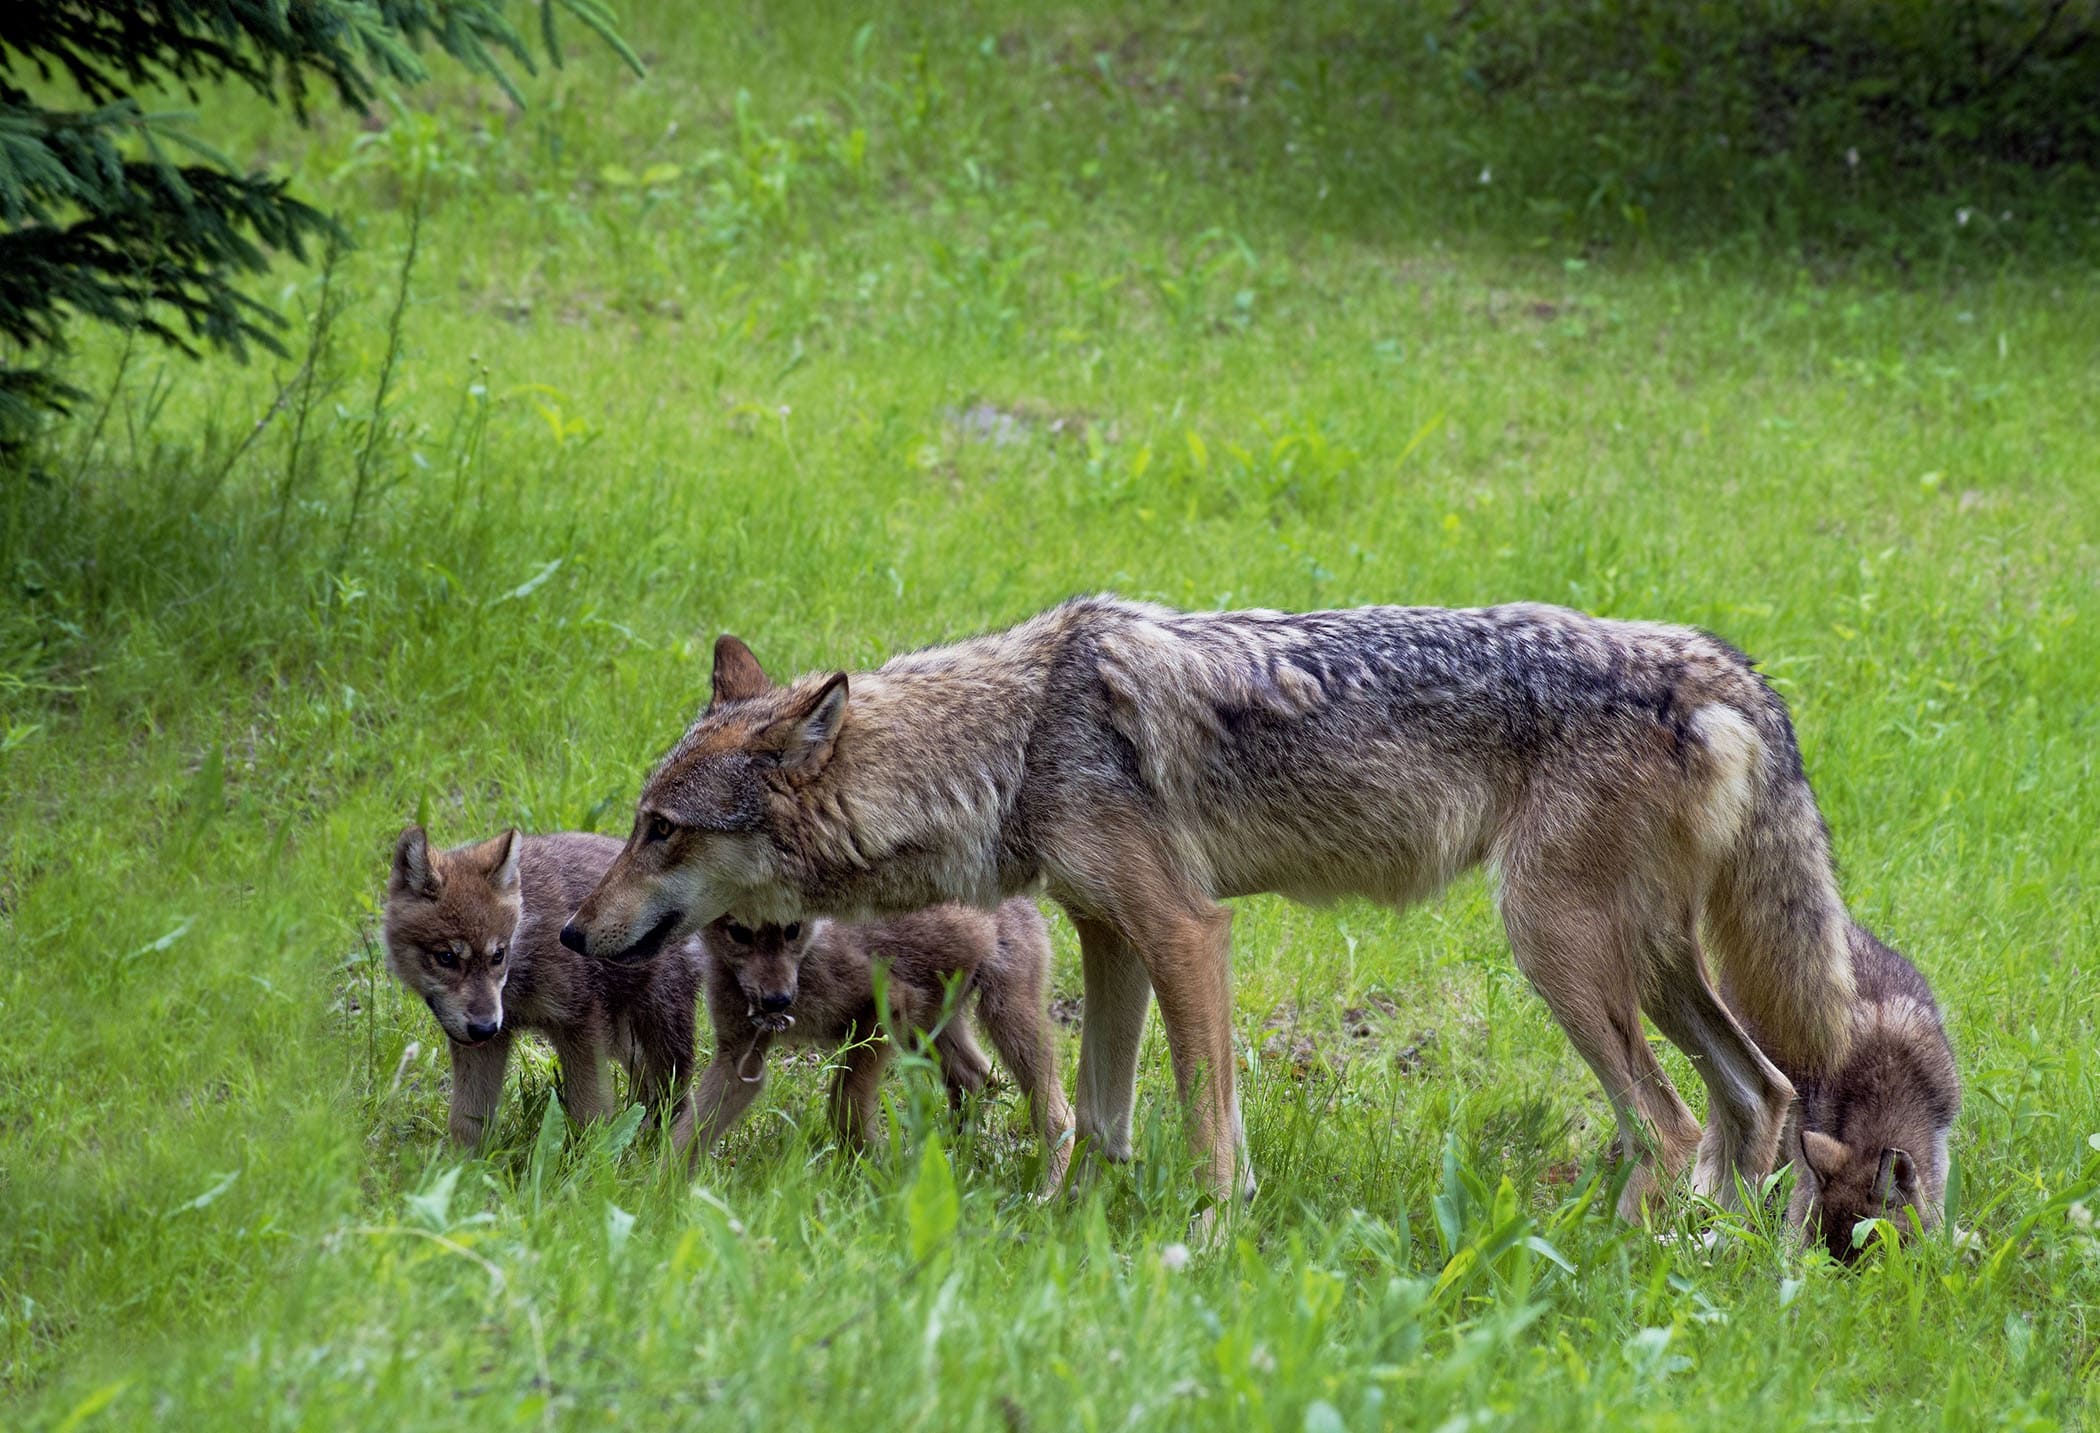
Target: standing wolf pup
point(1631, 783)
point(472, 931)
point(813, 983)
point(1872, 1129)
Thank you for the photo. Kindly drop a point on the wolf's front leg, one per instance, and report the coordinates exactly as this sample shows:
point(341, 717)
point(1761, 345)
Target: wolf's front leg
point(732, 1080)
point(477, 1086)
point(1118, 993)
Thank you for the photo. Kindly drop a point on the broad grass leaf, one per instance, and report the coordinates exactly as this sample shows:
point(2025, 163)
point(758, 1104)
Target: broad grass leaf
point(932, 1208)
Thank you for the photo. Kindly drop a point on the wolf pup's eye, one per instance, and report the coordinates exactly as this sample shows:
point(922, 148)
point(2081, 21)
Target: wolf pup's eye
point(660, 828)
point(740, 934)
point(445, 958)
point(496, 955)
point(794, 930)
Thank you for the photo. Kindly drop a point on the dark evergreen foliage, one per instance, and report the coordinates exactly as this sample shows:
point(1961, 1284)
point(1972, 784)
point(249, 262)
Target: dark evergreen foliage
point(120, 213)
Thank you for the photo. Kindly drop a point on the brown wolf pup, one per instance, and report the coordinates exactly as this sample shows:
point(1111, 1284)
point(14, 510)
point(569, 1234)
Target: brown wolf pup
point(813, 983)
point(473, 932)
point(1633, 785)
point(1872, 1130)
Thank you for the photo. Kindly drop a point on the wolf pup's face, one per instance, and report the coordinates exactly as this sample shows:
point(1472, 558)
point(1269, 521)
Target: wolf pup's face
point(767, 963)
point(1855, 1184)
point(702, 843)
point(450, 917)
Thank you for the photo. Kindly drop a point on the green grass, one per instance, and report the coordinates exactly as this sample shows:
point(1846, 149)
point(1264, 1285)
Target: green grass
point(851, 339)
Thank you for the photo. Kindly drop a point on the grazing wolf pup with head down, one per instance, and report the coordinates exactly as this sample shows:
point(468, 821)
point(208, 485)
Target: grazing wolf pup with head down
point(1872, 1129)
point(1633, 785)
point(813, 983)
point(473, 932)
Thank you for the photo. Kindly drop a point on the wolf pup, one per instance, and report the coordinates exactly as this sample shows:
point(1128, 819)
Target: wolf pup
point(813, 983)
point(473, 932)
point(1632, 784)
point(1872, 1136)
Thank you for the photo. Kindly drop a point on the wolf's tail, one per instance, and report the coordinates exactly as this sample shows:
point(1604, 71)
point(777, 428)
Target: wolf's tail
point(1774, 919)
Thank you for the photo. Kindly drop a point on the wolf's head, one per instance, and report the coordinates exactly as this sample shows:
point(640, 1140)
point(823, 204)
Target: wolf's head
point(767, 963)
point(1852, 1184)
point(704, 840)
point(450, 916)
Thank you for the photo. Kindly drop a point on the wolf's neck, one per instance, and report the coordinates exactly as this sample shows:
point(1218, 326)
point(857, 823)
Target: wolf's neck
point(923, 782)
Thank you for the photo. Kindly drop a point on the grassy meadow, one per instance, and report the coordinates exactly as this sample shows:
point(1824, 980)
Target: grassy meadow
point(855, 334)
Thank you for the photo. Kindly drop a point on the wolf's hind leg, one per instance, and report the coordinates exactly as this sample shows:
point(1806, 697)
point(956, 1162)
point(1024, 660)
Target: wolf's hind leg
point(1747, 1098)
point(1580, 960)
point(1118, 993)
point(1187, 950)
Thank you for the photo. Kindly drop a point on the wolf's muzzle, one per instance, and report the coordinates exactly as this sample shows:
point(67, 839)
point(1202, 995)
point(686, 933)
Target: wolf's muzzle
point(644, 948)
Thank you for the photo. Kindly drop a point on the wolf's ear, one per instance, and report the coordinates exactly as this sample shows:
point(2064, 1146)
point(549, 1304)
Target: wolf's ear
point(502, 856)
point(801, 739)
point(1897, 1179)
point(738, 676)
point(412, 869)
point(1825, 1155)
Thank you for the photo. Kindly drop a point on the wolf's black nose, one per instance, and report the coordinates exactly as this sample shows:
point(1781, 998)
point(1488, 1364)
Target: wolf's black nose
point(574, 939)
point(778, 1001)
point(477, 1031)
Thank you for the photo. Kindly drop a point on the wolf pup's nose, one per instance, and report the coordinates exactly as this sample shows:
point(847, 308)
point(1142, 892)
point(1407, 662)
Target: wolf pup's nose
point(477, 1031)
point(575, 940)
point(776, 1002)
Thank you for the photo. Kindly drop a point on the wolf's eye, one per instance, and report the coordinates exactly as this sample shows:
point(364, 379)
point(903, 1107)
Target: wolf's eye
point(794, 930)
point(660, 828)
point(740, 934)
point(445, 958)
point(496, 955)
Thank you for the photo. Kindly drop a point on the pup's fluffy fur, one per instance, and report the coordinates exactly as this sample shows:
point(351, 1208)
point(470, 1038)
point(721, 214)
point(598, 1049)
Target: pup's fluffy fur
point(1870, 1137)
point(814, 983)
point(472, 931)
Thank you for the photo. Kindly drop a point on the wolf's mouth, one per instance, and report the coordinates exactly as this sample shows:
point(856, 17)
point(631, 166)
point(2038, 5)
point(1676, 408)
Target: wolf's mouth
point(771, 1023)
point(651, 941)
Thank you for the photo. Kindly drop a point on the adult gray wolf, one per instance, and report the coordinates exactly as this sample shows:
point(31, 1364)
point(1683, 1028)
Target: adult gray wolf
point(473, 932)
point(1869, 1136)
point(814, 983)
point(1629, 783)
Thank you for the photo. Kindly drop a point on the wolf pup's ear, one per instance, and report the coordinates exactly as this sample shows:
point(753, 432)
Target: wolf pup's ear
point(412, 869)
point(1897, 1179)
point(1825, 1155)
point(803, 736)
point(738, 676)
point(502, 855)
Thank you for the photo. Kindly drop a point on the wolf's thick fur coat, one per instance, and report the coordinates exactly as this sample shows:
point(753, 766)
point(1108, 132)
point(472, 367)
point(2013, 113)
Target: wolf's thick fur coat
point(1631, 785)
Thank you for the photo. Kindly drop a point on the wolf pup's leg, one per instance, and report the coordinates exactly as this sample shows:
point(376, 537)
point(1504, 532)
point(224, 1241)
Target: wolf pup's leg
point(1118, 993)
point(732, 1080)
point(586, 1075)
point(1581, 961)
point(1010, 1004)
point(857, 1086)
point(477, 1086)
